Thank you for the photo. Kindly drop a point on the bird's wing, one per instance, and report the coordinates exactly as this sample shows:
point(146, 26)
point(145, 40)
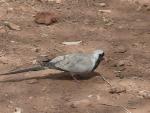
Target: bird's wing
point(77, 63)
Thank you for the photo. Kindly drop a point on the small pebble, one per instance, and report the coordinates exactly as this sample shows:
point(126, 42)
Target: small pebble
point(12, 26)
point(120, 49)
point(44, 88)
point(57, 1)
point(98, 97)
point(32, 81)
point(6, 95)
point(121, 63)
point(30, 97)
point(90, 96)
point(105, 11)
point(120, 27)
point(18, 110)
point(34, 62)
point(102, 4)
point(36, 49)
point(12, 41)
point(10, 106)
point(11, 102)
point(76, 104)
point(117, 90)
point(120, 75)
point(145, 94)
point(10, 9)
point(121, 68)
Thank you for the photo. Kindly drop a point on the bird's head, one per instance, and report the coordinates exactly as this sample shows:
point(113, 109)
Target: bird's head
point(99, 54)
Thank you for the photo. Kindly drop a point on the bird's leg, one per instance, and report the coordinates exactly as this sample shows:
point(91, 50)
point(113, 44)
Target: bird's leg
point(74, 78)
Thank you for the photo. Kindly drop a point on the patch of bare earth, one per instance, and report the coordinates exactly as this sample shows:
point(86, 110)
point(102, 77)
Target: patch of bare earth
point(120, 28)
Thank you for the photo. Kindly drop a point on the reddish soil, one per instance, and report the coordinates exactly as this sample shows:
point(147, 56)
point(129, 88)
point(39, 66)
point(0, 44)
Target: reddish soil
point(123, 33)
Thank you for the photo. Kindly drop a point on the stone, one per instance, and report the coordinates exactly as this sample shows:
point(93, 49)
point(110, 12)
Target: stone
point(80, 103)
point(36, 49)
point(121, 63)
point(18, 110)
point(120, 49)
point(102, 4)
point(32, 81)
point(118, 89)
point(104, 11)
point(12, 26)
point(145, 94)
point(46, 18)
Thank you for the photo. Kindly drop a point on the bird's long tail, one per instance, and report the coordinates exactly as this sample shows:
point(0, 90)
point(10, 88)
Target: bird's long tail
point(21, 70)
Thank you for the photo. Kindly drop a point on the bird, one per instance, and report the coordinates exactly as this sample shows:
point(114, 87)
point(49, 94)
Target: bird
point(74, 63)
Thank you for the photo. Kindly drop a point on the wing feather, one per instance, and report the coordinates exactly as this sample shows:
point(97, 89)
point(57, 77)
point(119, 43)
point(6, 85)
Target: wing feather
point(77, 63)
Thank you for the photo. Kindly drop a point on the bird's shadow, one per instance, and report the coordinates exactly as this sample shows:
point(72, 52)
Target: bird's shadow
point(67, 76)
point(60, 76)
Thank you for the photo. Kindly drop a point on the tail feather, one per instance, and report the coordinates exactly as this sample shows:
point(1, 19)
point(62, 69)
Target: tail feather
point(41, 66)
point(32, 68)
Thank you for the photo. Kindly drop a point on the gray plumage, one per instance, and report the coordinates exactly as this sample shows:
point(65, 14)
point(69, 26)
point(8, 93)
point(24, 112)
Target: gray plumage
point(75, 63)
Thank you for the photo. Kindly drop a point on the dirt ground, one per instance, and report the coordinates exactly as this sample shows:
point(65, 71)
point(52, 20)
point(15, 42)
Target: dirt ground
point(123, 33)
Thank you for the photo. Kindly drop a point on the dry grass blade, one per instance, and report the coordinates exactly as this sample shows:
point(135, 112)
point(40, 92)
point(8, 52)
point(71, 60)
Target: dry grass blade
point(127, 111)
point(124, 108)
point(106, 80)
